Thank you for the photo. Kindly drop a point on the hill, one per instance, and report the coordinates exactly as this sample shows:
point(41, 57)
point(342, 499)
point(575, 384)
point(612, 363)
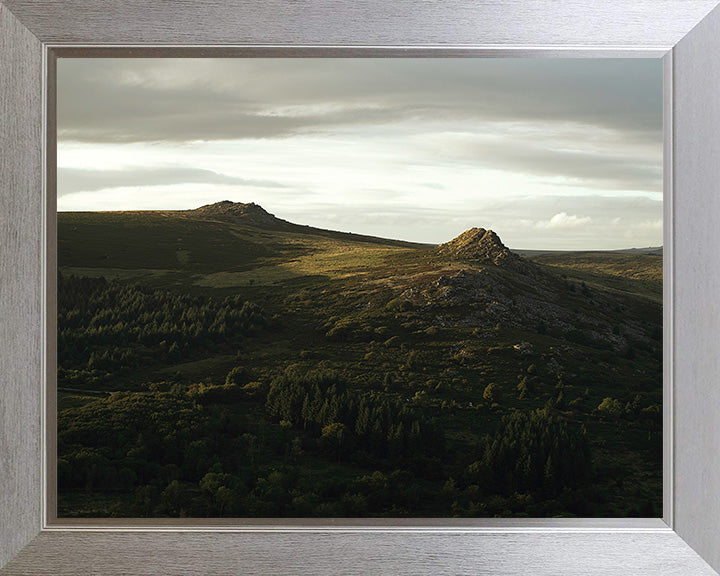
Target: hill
point(387, 369)
point(632, 272)
point(652, 250)
point(255, 215)
point(478, 244)
point(251, 213)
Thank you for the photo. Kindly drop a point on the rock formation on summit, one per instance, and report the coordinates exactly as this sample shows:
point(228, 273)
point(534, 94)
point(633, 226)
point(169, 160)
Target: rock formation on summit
point(250, 213)
point(479, 245)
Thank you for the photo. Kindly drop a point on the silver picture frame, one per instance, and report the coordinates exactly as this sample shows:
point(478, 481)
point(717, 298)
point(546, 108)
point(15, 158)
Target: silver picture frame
point(684, 33)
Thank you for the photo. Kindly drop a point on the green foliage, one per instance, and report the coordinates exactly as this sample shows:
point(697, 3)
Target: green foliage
point(237, 375)
point(533, 452)
point(107, 328)
point(334, 438)
point(225, 394)
point(491, 393)
point(522, 389)
point(611, 407)
point(319, 403)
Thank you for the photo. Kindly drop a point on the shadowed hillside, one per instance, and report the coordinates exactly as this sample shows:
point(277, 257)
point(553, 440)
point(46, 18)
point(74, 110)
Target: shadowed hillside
point(225, 362)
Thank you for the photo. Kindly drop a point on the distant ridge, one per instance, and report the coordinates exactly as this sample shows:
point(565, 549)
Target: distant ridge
point(255, 215)
point(479, 245)
point(650, 251)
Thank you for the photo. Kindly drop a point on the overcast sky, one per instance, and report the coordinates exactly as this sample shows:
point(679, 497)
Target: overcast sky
point(549, 153)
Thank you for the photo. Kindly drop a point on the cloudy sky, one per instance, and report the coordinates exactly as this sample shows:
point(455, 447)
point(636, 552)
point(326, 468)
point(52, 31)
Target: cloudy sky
point(549, 153)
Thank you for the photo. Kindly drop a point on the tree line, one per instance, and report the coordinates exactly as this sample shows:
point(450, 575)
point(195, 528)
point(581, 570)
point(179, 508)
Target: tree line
point(106, 328)
point(352, 424)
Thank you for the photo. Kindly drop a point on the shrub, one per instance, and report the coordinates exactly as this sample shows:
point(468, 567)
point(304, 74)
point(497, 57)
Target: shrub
point(522, 388)
point(611, 407)
point(237, 375)
point(491, 393)
point(535, 451)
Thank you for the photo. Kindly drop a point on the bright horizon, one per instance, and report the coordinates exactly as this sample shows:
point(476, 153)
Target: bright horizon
point(550, 154)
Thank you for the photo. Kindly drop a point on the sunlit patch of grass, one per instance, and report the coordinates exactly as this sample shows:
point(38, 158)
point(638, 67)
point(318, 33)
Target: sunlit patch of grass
point(631, 266)
point(321, 257)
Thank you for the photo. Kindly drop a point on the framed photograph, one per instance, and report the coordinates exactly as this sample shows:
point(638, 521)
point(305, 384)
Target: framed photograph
point(378, 304)
point(377, 288)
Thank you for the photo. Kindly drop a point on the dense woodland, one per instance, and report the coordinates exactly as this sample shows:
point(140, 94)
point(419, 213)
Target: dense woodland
point(109, 329)
point(309, 397)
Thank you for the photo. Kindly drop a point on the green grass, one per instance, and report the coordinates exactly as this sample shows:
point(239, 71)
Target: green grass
point(638, 274)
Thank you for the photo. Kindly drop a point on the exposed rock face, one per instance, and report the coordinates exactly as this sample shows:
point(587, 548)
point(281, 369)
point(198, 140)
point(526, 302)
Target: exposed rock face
point(250, 213)
point(479, 245)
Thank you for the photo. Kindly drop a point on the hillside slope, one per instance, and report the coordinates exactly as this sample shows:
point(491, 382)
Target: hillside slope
point(454, 342)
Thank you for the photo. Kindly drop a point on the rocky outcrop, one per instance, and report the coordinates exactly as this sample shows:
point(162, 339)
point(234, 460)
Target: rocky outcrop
point(479, 245)
point(251, 213)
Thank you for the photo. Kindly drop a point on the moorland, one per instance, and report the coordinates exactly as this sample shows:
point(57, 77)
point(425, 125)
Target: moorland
point(222, 362)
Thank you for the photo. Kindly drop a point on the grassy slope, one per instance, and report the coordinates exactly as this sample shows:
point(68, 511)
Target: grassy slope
point(631, 273)
point(172, 249)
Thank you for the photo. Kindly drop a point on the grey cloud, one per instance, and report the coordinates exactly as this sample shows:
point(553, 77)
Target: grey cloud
point(148, 100)
point(606, 171)
point(72, 180)
point(599, 207)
